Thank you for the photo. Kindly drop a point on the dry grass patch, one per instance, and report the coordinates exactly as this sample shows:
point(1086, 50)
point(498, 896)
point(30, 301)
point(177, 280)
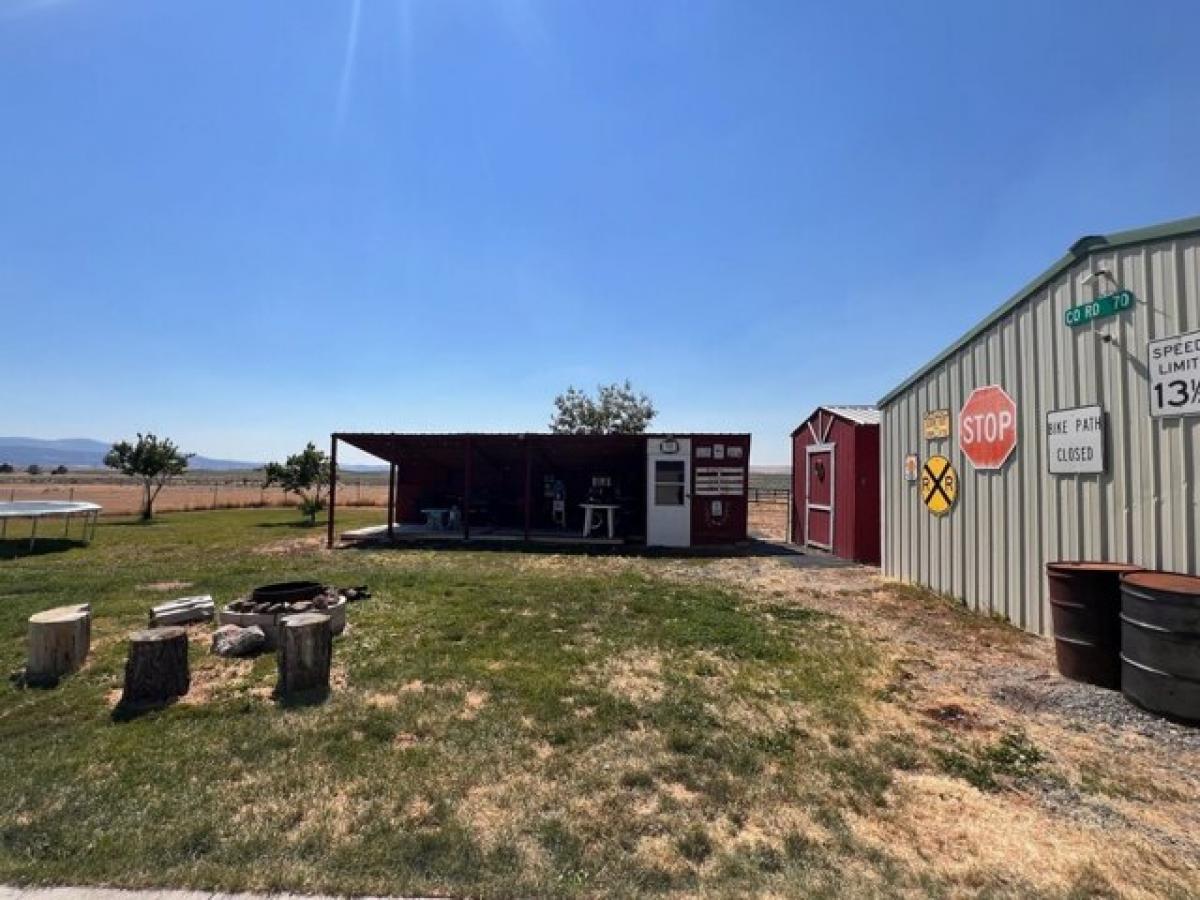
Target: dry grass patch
point(637, 675)
point(165, 586)
point(508, 724)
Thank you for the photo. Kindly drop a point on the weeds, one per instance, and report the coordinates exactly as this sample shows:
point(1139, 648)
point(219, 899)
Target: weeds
point(1012, 756)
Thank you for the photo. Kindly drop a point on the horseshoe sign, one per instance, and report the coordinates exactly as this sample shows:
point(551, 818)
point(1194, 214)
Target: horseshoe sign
point(939, 485)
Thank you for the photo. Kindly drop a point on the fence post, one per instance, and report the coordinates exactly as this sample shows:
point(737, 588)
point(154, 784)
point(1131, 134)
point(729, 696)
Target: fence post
point(790, 516)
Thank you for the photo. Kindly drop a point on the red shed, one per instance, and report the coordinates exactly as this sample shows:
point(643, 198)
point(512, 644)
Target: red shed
point(835, 482)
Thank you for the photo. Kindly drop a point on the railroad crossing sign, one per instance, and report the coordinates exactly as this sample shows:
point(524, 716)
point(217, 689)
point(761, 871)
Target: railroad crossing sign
point(987, 427)
point(939, 485)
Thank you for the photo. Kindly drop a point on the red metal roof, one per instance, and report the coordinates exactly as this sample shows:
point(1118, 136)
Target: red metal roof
point(395, 446)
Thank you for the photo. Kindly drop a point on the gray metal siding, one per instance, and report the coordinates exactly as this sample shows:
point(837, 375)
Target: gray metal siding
point(991, 549)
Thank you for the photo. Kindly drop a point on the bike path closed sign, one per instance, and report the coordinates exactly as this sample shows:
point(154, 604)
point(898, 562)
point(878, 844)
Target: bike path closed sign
point(1075, 441)
point(1174, 365)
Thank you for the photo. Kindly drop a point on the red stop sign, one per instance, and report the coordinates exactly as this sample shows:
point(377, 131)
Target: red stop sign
point(987, 427)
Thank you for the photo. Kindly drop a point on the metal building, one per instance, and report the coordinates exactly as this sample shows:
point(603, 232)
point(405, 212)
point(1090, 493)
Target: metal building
point(835, 482)
point(1066, 425)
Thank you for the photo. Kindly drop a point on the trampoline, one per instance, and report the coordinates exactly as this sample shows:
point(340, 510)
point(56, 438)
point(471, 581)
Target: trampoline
point(36, 510)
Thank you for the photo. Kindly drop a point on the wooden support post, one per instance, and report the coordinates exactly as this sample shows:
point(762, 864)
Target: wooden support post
point(790, 537)
point(305, 654)
point(466, 517)
point(391, 501)
point(59, 640)
point(157, 668)
point(528, 490)
point(333, 442)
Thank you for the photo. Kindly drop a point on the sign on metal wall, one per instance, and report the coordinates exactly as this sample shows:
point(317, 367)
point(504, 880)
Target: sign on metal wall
point(987, 427)
point(912, 467)
point(718, 480)
point(1100, 308)
point(1075, 441)
point(1174, 369)
point(936, 424)
point(939, 485)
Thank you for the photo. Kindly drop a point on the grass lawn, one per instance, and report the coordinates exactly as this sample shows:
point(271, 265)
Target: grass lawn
point(502, 724)
point(497, 727)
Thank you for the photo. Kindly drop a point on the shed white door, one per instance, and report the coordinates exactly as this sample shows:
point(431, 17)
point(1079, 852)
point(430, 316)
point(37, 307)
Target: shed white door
point(669, 492)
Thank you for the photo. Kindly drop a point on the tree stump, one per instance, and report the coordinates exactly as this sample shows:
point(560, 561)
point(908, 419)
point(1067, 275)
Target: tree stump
point(59, 640)
point(157, 668)
point(305, 654)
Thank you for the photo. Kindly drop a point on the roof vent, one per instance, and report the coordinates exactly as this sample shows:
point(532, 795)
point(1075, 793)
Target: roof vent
point(1084, 245)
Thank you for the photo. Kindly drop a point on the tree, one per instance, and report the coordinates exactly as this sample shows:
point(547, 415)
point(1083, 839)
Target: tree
point(59, 470)
point(33, 469)
point(616, 409)
point(305, 474)
point(152, 460)
point(6, 468)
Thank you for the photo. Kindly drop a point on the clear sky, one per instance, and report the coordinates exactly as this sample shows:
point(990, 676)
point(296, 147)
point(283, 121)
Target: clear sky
point(247, 224)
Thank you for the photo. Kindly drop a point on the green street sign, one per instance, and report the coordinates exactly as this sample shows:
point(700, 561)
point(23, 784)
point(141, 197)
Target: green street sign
point(1108, 305)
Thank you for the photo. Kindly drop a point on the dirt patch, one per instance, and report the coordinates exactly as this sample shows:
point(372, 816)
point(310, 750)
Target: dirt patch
point(165, 586)
point(635, 676)
point(380, 700)
point(301, 546)
point(405, 740)
point(952, 715)
point(216, 677)
point(473, 702)
point(768, 521)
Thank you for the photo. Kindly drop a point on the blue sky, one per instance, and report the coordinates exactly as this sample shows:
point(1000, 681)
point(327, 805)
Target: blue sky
point(246, 225)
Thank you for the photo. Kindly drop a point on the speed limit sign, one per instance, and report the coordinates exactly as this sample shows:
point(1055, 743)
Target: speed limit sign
point(1174, 365)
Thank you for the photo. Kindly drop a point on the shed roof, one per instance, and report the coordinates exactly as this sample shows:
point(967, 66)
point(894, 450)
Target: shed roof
point(396, 447)
point(859, 415)
point(1080, 250)
point(855, 414)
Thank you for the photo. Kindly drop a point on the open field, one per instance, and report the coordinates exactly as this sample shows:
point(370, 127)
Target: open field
point(121, 496)
point(238, 490)
point(524, 724)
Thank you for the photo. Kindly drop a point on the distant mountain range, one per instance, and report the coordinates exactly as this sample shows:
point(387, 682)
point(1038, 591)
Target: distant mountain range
point(85, 453)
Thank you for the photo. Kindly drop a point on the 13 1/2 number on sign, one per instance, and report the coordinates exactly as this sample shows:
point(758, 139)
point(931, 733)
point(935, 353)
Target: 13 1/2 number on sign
point(1177, 393)
point(1174, 370)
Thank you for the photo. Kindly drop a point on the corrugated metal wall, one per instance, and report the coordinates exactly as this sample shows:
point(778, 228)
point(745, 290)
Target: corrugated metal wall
point(991, 549)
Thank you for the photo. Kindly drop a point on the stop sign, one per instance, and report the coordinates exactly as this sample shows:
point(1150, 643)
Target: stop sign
point(987, 427)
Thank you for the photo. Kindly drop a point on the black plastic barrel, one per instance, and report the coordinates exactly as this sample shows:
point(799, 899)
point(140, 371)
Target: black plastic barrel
point(1160, 643)
point(1085, 606)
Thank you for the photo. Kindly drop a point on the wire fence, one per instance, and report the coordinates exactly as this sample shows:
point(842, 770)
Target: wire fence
point(769, 508)
point(119, 498)
point(781, 496)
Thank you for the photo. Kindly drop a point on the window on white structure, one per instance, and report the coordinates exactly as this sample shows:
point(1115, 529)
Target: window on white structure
point(668, 482)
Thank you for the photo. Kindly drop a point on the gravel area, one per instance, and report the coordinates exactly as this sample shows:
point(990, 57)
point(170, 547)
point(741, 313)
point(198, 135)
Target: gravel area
point(1047, 693)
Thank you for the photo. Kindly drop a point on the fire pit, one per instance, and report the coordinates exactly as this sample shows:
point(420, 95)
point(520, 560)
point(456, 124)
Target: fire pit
point(287, 592)
point(268, 604)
